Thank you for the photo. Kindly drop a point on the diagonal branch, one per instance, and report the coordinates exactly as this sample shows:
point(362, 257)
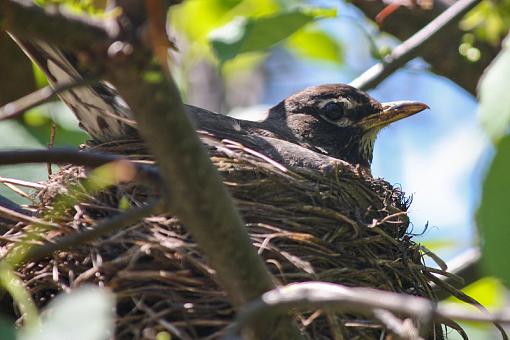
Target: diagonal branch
point(24, 18)
point(442, 51)
point(102, 228)
point(16, 108)
point(190, 180)
point(312, 295)
point(71, 156)
point(413, 46)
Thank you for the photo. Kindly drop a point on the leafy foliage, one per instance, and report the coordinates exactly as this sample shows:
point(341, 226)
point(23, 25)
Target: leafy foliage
point(493, 214)
point(254, 34)
point(231, 28)
point(493, 91)
point(490, 21)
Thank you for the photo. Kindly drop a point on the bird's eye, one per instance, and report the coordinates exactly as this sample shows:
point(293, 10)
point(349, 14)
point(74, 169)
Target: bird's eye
point(333, 110)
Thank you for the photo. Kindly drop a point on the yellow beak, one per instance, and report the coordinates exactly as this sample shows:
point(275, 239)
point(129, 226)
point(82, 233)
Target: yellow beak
point(391, 112)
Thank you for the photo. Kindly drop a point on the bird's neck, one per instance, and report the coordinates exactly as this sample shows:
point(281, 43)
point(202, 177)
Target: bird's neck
point(348, 144)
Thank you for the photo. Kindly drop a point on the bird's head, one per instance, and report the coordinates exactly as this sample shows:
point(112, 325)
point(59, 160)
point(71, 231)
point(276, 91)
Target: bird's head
point(340, 120)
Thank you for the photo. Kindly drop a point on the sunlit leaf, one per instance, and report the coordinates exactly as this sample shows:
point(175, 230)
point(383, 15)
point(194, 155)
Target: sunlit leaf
point(197, 18)
point(245, 34)
point(316, 44)
point(39, 76)
point(493, 215)
point(489, 21)
point(84, 314)
point(440, 244)
point(494, 109)
point(489, 291)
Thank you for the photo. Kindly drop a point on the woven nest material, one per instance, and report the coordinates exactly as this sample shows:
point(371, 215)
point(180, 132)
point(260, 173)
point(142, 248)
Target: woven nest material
point(340, 227)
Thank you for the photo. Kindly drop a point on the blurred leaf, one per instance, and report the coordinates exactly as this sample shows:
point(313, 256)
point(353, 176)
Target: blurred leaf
point(440, 244)
point(14, 135)
point(244, 34)
point(86, 313)
point(11, 283)
point(316, 44)
point(489, 291)
point(489, 21)
point(205, 14)
point(493, 215)
point(89, 7)
point(39, 120)
point(494, 111)
point(39, 76)
point(7, 331)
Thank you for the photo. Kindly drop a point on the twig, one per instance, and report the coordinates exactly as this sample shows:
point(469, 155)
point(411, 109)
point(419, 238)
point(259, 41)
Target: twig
point(404, 329)
point(465, 266)
point(102, 228)
point(68, 30)
point(193, 183)
point(13, 215)
point(311, 295)
point(21, 182)
point(14, 109)
point(410, 48)
point(71, 156)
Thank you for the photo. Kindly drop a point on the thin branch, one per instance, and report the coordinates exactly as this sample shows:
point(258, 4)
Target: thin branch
point(12, 212)
point(338, 298)
point(191, 181)
point(51, 24)
point(194, 185)
point(404, 329)
point(16, 108)
point(100, 229)
point(71, 156)
point(412, 47)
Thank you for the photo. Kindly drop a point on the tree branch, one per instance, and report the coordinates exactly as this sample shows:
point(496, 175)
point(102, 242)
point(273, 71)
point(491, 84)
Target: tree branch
point(190, 180)
point(26, 19)
point(413, 46)
point(100, 229)
point(16, 108)
point(71, 156)
point(338, 298)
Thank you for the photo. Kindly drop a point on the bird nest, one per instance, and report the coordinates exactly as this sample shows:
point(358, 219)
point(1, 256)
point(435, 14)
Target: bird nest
point(340, 226)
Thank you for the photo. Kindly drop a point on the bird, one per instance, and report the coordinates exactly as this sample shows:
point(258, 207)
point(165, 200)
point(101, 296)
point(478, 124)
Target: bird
point(336, 121)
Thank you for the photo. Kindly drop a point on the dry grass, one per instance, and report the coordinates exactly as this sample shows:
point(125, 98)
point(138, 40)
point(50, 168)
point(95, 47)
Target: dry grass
point(339, 227)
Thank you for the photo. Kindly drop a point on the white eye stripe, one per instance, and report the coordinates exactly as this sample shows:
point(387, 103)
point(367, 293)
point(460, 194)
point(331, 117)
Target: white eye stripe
point(347, 104)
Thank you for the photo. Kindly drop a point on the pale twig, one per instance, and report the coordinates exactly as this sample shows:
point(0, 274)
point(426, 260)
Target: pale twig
point(71, 156)
point(411, 48)
point(14, 109)
point(338, 298)
point(100, 229)
point(21, 182)
point(20, 217)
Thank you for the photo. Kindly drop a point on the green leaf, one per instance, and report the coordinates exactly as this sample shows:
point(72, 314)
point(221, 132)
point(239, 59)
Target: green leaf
point(316, 44)
point(494, 111)
point(14, 135)
point(7, 331)
point(86, 313)
point(243, 34)
point(493, 216)
point(489, 291)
